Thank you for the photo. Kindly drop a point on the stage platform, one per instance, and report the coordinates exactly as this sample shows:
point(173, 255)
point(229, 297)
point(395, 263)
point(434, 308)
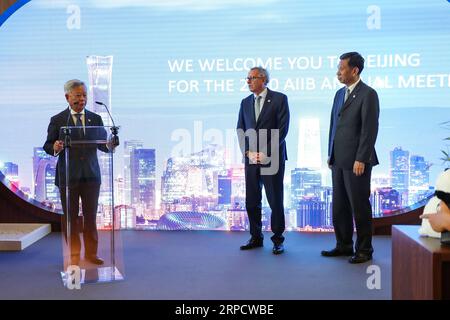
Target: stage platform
point(203, 265)
point(18, 236)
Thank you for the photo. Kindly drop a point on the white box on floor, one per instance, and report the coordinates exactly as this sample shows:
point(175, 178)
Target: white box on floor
point(18, 236)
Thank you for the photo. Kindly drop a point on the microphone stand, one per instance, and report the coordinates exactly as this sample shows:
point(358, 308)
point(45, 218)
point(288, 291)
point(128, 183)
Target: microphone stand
point(114, 129)
point(67, 132)
point(115, 141)
point(67, 146)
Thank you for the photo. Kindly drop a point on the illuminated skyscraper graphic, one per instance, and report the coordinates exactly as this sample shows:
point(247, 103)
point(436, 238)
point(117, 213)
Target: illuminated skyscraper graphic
point(224, 188)
point(238, 186)
point(143, 187)
point(399, 169)
point(311, 213)
point(173, 180)
point(380, 180)
point(11, 171)
point(305, 182)
point(191, 183)
point(419, 172)
point(126, 216)
point(399, 172)
point(100, 73)
point(129, 147)
point(419, 179)
point(309, 152)
point(119, 191)
point(44, 171)
point(237, 219)
point(385, 201)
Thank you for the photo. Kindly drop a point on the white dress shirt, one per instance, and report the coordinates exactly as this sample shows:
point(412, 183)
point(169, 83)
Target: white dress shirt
point(263, 98)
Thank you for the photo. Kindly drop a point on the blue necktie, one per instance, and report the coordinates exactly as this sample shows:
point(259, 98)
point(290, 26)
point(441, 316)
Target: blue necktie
point(347, 93)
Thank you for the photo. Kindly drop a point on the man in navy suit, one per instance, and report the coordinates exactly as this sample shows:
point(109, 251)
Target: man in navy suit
point(84, 175)
point(351, 156)
point(262, 128)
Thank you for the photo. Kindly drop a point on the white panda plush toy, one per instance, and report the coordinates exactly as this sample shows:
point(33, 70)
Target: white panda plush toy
point(425, 229)
point(442, 186)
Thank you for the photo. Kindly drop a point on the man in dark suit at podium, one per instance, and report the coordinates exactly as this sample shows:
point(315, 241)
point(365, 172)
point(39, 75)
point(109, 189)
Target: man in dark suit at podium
point(84, 170)
point(262, 126)
point(351, 156)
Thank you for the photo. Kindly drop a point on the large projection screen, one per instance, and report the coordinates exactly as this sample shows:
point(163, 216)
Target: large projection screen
point(172, 74)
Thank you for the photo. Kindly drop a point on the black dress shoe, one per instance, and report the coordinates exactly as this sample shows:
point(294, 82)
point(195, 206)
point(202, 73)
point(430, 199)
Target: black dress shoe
point(337, 252)
point(252, 243)
point(360, 258)
point(94, 259)
point(278, 249)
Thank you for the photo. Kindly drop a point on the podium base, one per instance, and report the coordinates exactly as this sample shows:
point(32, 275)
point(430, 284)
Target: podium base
point(74, 277)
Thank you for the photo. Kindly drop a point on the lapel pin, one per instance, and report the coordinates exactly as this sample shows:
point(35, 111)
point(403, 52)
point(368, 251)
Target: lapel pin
point(268, 100)
point(89, 120)
point(354, 96)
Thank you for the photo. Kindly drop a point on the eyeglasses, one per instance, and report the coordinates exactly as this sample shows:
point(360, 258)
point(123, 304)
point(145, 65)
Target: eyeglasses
point(252, 78)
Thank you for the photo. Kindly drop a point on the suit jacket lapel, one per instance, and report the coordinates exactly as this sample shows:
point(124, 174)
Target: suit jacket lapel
point(87, 118)
point(353, 96)
point(340, 101)
point(266, 105)
point(68, 119)
point(251, 110)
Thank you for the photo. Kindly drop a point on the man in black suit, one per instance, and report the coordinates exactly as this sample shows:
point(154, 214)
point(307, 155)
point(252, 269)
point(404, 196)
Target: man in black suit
point(351, 156)
point(262, 128)
point(84, 174)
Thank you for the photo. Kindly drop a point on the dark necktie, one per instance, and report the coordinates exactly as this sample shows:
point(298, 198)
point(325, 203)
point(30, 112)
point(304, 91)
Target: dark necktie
point(79, 123)
point(257, 107)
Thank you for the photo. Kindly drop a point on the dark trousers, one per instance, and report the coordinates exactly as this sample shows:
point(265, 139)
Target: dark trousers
point(88, 192)
point(273, 185)
point(351, 200)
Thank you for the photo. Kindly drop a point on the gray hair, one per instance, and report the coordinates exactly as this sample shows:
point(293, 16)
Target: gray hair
point(72, 84)
point(262, 72)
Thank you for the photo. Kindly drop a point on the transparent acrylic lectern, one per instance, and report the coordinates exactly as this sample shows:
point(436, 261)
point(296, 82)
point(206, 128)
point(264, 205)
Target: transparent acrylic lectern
point(92, 247)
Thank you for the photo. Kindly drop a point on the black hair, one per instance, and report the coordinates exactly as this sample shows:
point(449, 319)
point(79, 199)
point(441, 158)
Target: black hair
point(354, 60)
